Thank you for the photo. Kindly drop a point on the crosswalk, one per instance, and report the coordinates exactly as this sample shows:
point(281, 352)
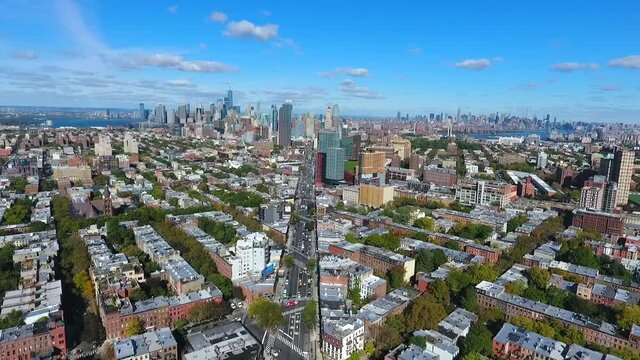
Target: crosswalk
point(287, 341)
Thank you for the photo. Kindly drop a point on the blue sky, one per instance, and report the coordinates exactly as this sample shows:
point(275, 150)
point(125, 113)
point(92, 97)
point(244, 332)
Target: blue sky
point(577, 60)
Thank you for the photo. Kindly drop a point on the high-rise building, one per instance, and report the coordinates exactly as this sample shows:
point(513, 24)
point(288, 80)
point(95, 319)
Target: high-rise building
point(274, 118)
point(372, 163)
point(328, 118)
point(141, 112)
point(610, 196)
point(171, 116)
point(284, 124)
point(183, 113)
point(606, 165)
point(335, 115)
point(621, 173)
point(160, 114)
point(229, 99)
point(327, 139)
point(309, 125)
point(212, 112)
point(335, 164)
point(130, 145)
point(592, 194)
point(103, 146)
point(542, 160)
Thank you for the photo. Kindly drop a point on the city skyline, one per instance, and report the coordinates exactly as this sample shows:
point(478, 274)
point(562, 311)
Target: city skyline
point(413, 58)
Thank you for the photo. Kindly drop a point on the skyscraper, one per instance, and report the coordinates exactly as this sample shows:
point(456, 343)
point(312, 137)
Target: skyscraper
point(621, 173)
point(335, 164)
point(274, 118)
point(327, 139)
point(183, 113)
point(160, 114)
point(328, 118)
point(141, 112)
point(335, 115)
point(212, 112)
point(542, 160)
point(229, 99)
point(284, 124)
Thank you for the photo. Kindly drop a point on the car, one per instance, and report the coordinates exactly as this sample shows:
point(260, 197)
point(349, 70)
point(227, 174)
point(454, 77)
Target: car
point(291, 303)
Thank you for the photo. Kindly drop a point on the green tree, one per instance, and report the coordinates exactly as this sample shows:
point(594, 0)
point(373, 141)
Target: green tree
point(18, 184)
point(629, 316)
point(135, 326)
point(181, 323)
point(473, 356)
point(395, 277)
point(452, 244)
point(288, 261)
point(311, 264)
point(429, 260)
point(309, 314)
point(583, 256)
point(479, 340)
point(425, 313)
point(539, 277)
point(440, 292)
point(420, 341)
point(268, 314)
point(426, 223)
point(516, 288)
point(17, 214)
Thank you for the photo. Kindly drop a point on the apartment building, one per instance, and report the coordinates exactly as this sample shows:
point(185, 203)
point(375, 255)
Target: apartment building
point(342, 337)
point(487, 193)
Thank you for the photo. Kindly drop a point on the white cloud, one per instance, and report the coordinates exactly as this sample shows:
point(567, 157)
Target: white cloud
point(218, 17)
point(203, 45)
point(24, 55)
point(474, 64)
point(609, 87)
point(172, 9)
point(498, 59)
point(573, 66)
point(415, 50)
point(627, 62)
point(350, 89)
point(288, 42)
point(247, 29)
point(526, 87)
point(350, 71)
point(265, 12)
point(176, 62)
point(180, 83)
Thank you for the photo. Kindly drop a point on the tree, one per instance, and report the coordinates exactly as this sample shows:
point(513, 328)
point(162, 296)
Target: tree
point(351, 238)
point(311, 264)
point(288, 261)
point(18, 184)
point(354, 294)
point(468, 300)
point(207, 311)
point(583, 256)
point(473, 356)
point(426, 223)
point(440, 292)
point(420, 341)
point(515, 222)
point(629, 315)
point(134, 327)
point(429, 260)
point(479, 340)
point(452, 244)
point(425, 313)
point(516, 288)
point(181, 323)
point(395, 277)
point(539, 277)
point(309, 314)
point(268, 314)
point(17, 214)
